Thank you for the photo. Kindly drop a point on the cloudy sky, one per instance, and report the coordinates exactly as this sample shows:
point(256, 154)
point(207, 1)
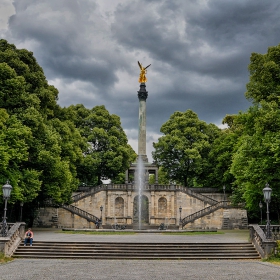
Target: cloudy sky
point(199, 51)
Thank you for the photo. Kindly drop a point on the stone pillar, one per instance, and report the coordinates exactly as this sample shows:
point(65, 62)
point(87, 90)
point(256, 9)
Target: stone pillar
point(128, 214)
point(109, 204)
point(172, 206)
point(152, 204)
point(142, 96)
point(156, 175)
point(129, 210)
point(126, 176)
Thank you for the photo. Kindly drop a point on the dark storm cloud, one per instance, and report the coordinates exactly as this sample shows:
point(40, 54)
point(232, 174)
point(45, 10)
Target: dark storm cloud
point(203, 38)
point(199, 51)
point(68, 39)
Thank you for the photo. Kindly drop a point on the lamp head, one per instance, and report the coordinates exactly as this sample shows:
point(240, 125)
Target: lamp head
point(267, 193)
point(7, 188)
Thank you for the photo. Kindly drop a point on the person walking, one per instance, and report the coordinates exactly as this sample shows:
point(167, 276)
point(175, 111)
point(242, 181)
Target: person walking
point(28, 237)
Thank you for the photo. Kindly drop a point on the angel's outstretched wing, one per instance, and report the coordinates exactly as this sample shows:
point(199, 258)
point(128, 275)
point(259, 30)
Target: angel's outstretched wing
point(140, 65)
point(147, 66)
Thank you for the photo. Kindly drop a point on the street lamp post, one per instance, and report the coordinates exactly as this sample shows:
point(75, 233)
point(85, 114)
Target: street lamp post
point(224, 189)
point(267, 197)
point(6, 195)
point(261, 206)
point(101, 209)
point(21, 205)
point(180, 210)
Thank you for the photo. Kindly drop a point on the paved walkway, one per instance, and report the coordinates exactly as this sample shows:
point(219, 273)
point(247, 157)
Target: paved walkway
point(229, 236)
point(58, 269)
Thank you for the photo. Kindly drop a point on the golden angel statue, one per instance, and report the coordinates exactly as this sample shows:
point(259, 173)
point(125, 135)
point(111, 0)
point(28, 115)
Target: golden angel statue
point(143, 72)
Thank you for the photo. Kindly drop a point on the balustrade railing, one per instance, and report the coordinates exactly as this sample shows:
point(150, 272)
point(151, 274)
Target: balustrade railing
point(81, 213)
point(265, 247)
point(9, 225)
point(274, 229)
point(147, 187)
point(199, 196)
point(15, 234)
point(205, 211)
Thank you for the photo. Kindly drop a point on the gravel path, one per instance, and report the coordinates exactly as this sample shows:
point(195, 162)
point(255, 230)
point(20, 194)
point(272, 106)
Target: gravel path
point(32, 269)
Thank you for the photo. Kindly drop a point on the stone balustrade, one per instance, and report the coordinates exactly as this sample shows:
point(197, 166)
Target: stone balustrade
point(266, 247)
point(14, 237)
point(204, 212)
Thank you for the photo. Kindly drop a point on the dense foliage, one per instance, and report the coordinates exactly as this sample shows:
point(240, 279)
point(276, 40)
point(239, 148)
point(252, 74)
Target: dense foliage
point(36, 159)
point(46, 150)
point(106, 153)
point(183, 149)
point(257, 157)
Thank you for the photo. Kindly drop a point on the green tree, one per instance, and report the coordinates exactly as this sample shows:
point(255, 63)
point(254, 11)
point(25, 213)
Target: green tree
point(256, 160)
point(183, 148)
point(264, 84)
point(162, 178)
point(41, 150)
point(107, 153)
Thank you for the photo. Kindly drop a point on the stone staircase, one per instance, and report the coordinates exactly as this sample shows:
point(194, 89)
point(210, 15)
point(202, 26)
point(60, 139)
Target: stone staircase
point(203, 212)
point(199, 196)
point(75, 210)
point(214, 204)
point(102, 250)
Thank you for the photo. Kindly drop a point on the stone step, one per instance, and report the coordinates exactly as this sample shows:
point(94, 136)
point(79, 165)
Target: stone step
point(101, 250)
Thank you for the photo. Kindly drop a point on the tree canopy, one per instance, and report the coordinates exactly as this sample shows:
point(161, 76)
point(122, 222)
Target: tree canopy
point(46, 150)
point(182, 150)
point(40, 150)
point(107, 152)
point(257, 157)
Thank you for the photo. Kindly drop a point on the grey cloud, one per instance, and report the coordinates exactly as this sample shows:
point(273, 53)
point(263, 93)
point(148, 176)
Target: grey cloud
point(69, 39)
point(229, 29)
point(199, 51)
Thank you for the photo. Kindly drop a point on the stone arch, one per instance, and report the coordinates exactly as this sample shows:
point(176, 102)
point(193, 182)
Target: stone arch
point(144, 209)
point(119, 207)
point(162, 207)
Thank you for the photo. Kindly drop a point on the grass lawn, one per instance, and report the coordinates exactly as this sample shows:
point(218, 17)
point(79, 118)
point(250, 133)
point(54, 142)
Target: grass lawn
point(192, 232)
point(4, 259)
point(98, 232)
point(133, 232)
point(273, 260)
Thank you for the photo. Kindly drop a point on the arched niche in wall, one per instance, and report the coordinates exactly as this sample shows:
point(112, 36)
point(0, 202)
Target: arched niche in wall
point(162, 207)
point(119, 207)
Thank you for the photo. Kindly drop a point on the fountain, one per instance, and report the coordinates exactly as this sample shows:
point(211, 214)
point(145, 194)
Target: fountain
point(140, 182)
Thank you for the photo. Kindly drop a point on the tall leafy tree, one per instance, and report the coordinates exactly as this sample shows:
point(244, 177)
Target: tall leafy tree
point(257, 158)
point(264, 84)
point(42, 151)
point(107, 153)
point(183, 148)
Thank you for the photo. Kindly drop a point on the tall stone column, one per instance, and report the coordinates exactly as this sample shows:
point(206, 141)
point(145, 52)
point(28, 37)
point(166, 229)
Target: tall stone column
point(142, 96)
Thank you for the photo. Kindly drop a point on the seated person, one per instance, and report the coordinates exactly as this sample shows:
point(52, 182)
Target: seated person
point(28, 237)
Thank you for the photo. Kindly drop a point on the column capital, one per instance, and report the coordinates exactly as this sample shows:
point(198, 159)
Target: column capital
point(142, 93)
